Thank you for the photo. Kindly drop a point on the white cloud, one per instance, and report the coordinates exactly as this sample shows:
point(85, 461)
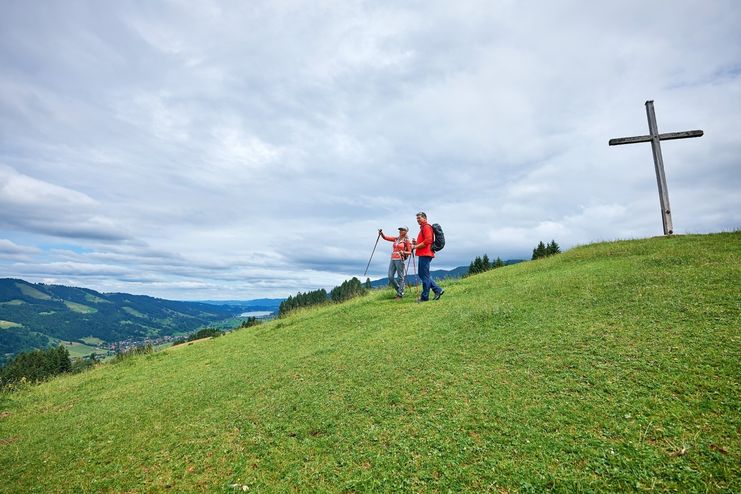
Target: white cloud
point(239, 150)
point(17, 189)
point(42, 207)
point(12, 251)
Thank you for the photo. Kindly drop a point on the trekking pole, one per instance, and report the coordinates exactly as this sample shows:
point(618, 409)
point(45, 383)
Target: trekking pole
point(406, 270)
point(374, 251)
point(416, 278)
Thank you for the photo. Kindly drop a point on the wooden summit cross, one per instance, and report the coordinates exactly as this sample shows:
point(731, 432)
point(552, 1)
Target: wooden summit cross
point(655, 139)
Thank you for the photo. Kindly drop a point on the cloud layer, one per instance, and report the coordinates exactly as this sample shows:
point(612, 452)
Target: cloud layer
point(239, 150)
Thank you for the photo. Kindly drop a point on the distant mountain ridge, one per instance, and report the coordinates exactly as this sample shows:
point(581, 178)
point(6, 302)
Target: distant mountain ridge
point(37, 315)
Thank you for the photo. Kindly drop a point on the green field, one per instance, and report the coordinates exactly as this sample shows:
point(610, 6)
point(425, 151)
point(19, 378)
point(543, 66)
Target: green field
point(9, 324)
point(610, 368)
point(81, 308)
point(96, 300)
point(77, 349)
point(30, 291)
point(133, 312)
point(91, 340)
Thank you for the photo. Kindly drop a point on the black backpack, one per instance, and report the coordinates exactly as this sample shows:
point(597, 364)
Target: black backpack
point(439, 241)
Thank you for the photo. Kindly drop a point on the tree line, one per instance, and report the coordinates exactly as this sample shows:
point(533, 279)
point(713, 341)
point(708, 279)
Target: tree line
point(36, 366)
point(307, 299)
point(214, 332)
point(199, 335)
point(542, 250)
point(483, 264)
point(347, 290)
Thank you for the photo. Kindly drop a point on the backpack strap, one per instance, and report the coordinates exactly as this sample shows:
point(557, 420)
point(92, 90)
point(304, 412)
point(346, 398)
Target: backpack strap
point(433, 232)
point(405, 253)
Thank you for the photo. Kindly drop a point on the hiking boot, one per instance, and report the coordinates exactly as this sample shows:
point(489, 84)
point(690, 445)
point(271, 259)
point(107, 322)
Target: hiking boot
point(419, 300)
point(438, 295)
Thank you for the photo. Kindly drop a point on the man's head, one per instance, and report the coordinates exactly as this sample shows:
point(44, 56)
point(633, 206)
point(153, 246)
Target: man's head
point(421, 218)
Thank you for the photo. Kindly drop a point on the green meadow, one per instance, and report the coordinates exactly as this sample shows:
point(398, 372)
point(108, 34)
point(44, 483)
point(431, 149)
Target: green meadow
point(78, 350)
point(613, 367)
point(83, 309)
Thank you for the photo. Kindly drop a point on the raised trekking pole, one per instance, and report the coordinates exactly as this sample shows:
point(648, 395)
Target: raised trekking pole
point(374, 251)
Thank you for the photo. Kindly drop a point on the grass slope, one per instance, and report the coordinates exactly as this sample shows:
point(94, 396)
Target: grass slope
point(610, 368)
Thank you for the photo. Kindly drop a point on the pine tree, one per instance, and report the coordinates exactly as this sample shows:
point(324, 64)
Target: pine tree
point(485, 264)
point(540, 251)
point(553, 248)
point(478, 265)
point(498, 263)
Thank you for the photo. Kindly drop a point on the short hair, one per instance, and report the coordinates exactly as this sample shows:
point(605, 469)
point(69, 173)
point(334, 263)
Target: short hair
point(422, 215)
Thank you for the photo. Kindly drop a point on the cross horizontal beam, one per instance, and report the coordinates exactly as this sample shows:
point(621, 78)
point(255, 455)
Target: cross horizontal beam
point(662, 137)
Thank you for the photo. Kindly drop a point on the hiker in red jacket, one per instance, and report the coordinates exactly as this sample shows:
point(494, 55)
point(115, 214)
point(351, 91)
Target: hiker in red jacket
point(402, 249)
point(424, 252)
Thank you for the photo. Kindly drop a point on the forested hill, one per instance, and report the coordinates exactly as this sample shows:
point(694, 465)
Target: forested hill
point(34, 315)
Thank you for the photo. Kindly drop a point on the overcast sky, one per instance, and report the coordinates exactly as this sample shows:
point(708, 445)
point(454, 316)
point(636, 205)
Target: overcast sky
point(245, 149)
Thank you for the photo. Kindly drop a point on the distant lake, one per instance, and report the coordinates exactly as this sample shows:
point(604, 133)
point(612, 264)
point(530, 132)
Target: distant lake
point(256, 313)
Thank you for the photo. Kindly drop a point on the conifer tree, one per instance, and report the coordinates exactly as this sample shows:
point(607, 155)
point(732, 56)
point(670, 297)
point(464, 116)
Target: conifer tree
point(553, 248)
point(478, 265)
point(485, 264)
point(498, 263)
point(540, 251)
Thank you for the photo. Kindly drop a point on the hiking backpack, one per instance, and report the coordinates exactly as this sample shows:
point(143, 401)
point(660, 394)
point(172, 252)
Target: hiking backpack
point(439, 241)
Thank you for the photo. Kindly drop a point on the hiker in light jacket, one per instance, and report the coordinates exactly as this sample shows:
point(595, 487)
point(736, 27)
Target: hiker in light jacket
point(401, 250)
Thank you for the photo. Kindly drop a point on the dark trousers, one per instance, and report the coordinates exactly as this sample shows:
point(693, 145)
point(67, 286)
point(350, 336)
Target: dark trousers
point(424, 276)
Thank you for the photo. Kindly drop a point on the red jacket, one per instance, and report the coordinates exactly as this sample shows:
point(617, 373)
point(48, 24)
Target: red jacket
point(427, 236)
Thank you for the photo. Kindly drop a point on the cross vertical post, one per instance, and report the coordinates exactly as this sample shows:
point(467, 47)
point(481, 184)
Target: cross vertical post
point(655, 139)
point(666, 212)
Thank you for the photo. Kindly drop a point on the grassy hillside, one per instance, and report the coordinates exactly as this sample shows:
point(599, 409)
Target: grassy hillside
point(610, 368)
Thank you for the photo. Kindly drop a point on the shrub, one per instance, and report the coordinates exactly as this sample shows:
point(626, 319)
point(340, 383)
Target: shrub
point(205, 333)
